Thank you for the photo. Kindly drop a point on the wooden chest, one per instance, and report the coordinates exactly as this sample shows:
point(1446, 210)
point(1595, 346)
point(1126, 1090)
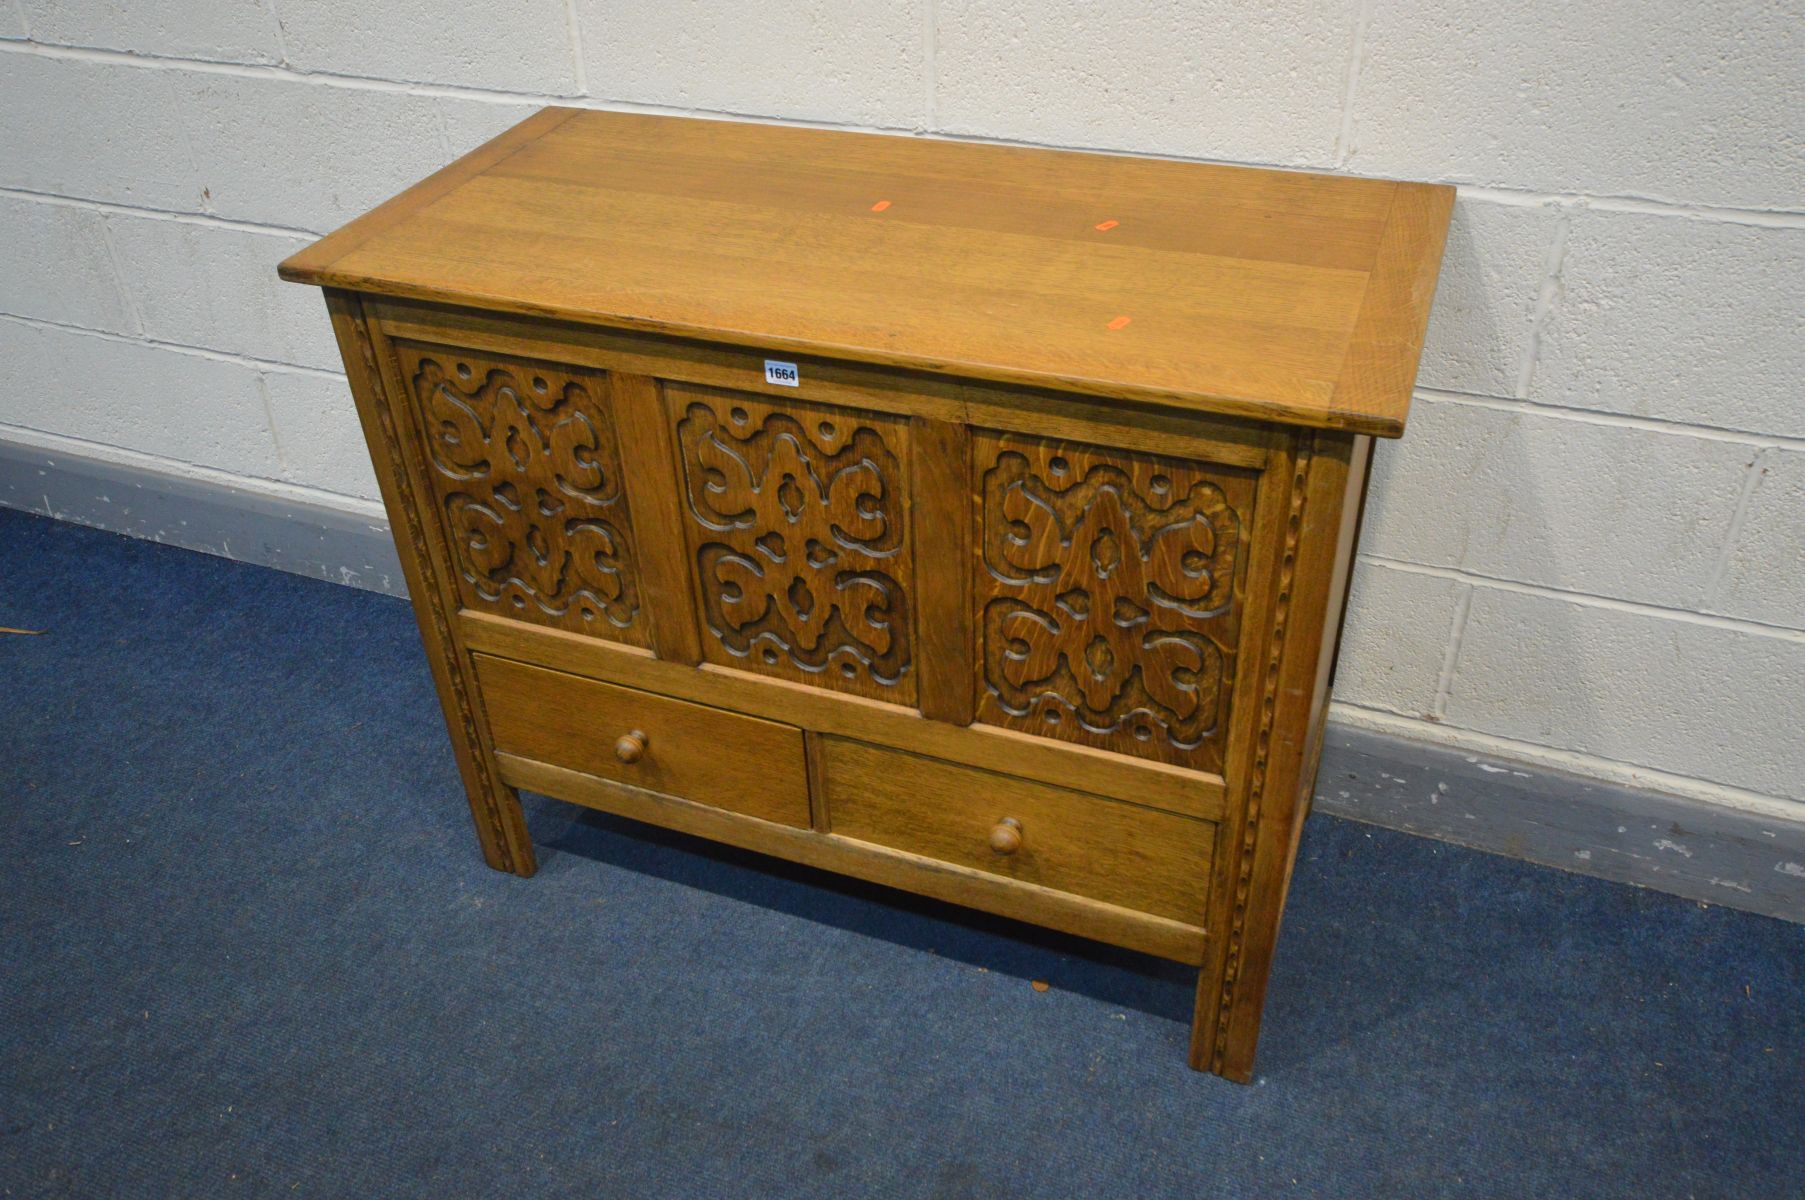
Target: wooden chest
point(971, 519)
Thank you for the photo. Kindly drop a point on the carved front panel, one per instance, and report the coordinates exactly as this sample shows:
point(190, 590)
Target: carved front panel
point(798, 539)
point(1106, 595)
point(525, 472)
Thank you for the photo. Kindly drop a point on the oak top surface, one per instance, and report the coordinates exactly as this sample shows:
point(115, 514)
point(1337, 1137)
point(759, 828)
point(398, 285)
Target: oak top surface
point(1276, 295)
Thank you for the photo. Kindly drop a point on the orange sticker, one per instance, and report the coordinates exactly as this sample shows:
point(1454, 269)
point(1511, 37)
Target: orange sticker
point(880, 206)
point(1106, 226)
point(1118, 322)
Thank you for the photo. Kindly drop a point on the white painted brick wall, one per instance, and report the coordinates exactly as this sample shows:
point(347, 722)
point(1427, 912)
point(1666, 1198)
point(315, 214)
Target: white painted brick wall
point(1763, 575)
point(1487, 298)
point(317, 436)
point(1216, 79)
point(207, 411)
point(817, 60)
point(1690, 103)
point(1692, 321)
point(94, 130)
point(58, 267)
point(1396, 638)
point(208, 285)
point(1506, 493)
point(243, 31)
point(468, 123)
point(1589, 547)
point(303, 154)
point(523, 45)
point(1632, 687)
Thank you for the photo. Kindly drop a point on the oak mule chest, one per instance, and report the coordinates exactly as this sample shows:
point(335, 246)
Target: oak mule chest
point(971, 519)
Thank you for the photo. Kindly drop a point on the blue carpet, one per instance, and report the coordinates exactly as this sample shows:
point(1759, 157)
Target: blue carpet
point(250, 950)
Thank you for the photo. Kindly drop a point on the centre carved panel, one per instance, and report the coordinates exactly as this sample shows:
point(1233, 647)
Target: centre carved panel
point(798, 537)
point(1106, 596)
point(525, 469)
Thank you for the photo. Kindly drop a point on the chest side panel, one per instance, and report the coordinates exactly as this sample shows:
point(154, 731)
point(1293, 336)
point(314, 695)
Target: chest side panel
point(524, 468)
point(796, 521)
point(1108, 595)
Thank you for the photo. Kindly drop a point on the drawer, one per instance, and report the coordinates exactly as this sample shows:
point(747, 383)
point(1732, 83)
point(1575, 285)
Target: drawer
point(1122, 854)
point(742, 764)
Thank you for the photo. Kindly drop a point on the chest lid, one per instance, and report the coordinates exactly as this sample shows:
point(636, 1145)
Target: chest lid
point(1277, 295)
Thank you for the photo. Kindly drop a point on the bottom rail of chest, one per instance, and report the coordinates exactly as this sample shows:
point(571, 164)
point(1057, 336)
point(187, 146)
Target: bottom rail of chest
point(863, 860)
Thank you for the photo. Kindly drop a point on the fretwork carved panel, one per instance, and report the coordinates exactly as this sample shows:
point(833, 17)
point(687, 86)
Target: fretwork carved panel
point(1107, 595)
point(525, 473)
point(798, 537)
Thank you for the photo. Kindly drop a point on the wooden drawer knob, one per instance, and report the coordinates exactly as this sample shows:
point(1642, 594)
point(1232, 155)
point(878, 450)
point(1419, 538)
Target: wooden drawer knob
point(631, 747)
point(1006, 836)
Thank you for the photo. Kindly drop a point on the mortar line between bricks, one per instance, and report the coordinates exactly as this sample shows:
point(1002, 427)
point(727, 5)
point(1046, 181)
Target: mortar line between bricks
point(120, 275)
point(1344, 137)
point(1769, 218)
point(439, 91)
point(1450, 663)
point(574, 28)
point(438, 116)
point(243, 360)
point(1589, 416)
point(175, 468)
point(187, 136)
point(930, 64)
point(1751, 479)
point(1547, 305)
point(244, 70)
point(159, 214)
point(1772, 217)
point(269, 422)
point(1574, 762)
point(275, 16)
point(1639, 608)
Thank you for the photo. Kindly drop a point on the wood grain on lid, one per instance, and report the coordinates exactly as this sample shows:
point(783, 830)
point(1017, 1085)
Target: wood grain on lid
point(1275, 295)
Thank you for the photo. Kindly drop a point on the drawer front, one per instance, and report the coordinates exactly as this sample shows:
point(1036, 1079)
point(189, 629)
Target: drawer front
point(742, 764)
point(1109, 595)
point(523, 464)
point(1122, 854)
